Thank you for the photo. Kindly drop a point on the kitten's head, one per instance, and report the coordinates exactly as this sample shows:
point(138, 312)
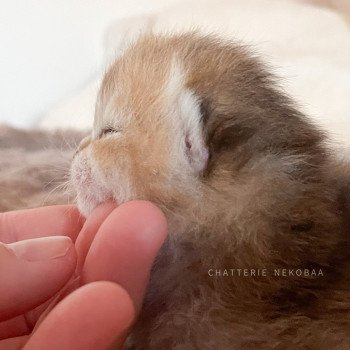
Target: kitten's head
point(147, 140)
point(182, 121)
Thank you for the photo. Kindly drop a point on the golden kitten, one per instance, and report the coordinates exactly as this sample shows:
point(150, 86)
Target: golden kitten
point(198, 126)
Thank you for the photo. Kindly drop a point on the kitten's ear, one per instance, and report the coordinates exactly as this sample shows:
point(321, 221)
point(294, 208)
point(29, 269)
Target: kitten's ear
point(185, 107)
point(195, 143)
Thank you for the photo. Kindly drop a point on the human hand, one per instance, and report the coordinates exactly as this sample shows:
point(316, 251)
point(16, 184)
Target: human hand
point(36, 262)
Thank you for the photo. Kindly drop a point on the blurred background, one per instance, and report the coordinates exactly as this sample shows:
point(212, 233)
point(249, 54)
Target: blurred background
point(53, 53)
point(50, 49)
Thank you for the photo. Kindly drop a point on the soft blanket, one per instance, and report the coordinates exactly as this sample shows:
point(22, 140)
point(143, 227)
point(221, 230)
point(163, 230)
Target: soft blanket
point(34, 167)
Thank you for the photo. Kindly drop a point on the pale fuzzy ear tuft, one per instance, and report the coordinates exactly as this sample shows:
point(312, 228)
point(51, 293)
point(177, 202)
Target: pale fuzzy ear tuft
point(184, 109)
point(196, 148)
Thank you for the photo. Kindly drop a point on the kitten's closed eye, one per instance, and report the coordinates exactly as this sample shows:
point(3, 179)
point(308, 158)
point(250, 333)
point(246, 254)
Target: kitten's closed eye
point(108, 131)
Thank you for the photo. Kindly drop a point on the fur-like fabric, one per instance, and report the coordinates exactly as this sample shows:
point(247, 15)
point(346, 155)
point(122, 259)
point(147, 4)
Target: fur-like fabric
point(34, 167)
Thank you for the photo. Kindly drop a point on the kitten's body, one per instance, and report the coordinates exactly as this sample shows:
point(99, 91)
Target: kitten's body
point(198, 127)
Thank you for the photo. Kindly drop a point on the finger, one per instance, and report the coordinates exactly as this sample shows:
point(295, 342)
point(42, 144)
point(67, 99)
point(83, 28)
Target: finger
point(90, 229)
point(32, 271)
point(125, 247)
point(16, 343)
point(90, 318)
point(14, 327)
point(21, 325)
point(59, 220)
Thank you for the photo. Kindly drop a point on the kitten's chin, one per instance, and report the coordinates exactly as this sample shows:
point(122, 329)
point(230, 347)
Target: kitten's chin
point(87, 203)
point(86, 207)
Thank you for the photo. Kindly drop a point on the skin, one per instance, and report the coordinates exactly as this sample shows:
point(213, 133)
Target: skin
point(86, 295)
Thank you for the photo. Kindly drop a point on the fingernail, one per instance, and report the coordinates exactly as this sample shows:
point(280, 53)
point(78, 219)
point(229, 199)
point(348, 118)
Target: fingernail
point(45, 248)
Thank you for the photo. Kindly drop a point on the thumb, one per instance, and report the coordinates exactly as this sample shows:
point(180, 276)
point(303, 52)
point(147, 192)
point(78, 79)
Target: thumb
point(32, 271)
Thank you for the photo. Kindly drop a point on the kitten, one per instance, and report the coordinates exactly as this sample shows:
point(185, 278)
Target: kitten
point(199, 127)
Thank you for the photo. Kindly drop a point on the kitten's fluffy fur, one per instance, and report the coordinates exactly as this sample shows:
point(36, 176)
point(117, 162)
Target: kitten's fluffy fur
point(246, 181)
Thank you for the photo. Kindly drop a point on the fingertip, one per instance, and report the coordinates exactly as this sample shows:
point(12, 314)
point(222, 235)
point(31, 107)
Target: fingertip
point(146, 214)
point(150, 209)
point(75, 220)
point(125, 247)
point(105, 207)
point(90, 228)
point(57, 220)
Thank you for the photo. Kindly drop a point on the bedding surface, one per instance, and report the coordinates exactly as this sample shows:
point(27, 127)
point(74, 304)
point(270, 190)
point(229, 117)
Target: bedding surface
point(34, 167)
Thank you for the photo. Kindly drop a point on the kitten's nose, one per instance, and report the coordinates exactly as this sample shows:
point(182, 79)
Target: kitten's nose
point(83, 144)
